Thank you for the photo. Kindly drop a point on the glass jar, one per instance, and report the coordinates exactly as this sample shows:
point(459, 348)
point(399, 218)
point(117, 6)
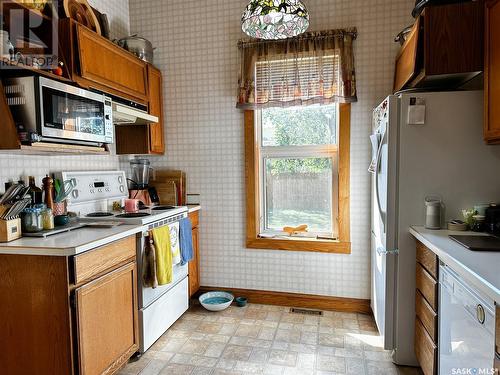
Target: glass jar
point(47, 219)
point(31, 221)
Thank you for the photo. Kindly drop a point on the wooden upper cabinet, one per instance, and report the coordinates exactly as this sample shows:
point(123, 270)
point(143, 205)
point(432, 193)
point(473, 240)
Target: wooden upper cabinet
point(492, 73)
point(156, 135)
point(444, 48)
point(106, 326)
point(145, 139)
point(108, 67)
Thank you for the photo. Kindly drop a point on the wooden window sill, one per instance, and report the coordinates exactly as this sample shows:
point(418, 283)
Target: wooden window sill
point(294, 244)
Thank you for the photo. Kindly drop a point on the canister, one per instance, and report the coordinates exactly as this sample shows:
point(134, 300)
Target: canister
point(433, 213)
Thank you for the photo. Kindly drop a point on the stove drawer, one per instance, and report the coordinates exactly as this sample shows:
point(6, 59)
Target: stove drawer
point(94, 262)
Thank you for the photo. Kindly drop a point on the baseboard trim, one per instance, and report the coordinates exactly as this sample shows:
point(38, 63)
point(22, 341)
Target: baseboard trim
point(307, 301)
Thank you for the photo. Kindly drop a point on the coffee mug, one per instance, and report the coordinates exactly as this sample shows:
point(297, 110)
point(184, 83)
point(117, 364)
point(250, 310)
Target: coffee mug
point(131, 205)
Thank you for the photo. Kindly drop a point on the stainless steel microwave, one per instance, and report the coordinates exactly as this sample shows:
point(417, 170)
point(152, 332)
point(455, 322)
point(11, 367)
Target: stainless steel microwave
point(52, 111)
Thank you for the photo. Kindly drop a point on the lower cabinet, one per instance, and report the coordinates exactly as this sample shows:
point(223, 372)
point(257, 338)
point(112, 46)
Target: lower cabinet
point(69, 315)
point(106, 321)
point(426, 309)
point(194, 265)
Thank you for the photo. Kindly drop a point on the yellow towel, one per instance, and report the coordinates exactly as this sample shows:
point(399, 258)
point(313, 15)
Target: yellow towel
point(163, 251)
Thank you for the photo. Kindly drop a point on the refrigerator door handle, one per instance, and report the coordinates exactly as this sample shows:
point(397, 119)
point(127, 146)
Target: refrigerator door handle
point(381, 251)
point(379, 157)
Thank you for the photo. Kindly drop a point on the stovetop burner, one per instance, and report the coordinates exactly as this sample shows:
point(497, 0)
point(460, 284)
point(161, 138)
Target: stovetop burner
point(162, 208)
point(99, 214)
point(133, 215)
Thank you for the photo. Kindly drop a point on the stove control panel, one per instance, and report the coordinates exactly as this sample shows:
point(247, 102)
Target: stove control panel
point(94, 186)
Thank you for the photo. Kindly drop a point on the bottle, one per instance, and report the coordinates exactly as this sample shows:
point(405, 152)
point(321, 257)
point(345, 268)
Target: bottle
point(35, 192)
point(48, 188)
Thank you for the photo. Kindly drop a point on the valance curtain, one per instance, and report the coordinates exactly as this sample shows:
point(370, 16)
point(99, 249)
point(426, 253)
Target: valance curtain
point(315, 67)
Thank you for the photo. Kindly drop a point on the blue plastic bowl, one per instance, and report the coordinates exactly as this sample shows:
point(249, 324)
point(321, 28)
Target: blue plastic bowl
point(216, 301)
point(241, 301)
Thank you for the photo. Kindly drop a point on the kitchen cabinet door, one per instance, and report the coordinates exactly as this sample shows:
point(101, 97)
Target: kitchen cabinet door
point(492, 73)
point(194, 264)
point(156, 134)
point(110, 68)
point(106, 321)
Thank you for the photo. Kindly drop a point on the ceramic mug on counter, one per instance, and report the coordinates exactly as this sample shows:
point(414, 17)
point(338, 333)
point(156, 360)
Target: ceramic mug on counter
point(131, 205)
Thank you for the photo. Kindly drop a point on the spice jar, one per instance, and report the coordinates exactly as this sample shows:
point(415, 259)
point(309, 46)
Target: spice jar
point(31, 221)
point(47, 219)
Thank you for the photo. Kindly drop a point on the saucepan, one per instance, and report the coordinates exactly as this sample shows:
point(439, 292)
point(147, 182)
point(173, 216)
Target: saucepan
point(140, 47)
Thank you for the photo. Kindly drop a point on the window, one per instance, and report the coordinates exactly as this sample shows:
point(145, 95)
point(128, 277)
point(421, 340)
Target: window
point(297, 164)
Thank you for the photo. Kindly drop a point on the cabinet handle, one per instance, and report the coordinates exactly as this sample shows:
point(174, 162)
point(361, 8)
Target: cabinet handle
point(481, 316)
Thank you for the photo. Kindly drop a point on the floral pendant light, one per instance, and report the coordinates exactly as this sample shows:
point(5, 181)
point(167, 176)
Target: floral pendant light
point(275, 19)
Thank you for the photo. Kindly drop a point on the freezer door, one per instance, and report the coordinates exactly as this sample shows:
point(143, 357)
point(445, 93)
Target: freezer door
point(383, 236)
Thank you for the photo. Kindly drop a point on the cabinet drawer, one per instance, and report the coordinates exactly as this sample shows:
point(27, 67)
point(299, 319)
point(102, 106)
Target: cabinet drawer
point(427, 316)
point(94, 262)
point(195, 219)
point(425, 349)
point(427, 285)
point(115, 68)
point(427, 259)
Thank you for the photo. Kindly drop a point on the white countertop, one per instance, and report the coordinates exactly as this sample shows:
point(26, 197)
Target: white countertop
point(193, 208)
point(69, 243)
point(479, 268)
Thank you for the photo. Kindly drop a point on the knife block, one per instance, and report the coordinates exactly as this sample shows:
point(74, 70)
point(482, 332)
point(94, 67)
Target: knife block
point(10, 230)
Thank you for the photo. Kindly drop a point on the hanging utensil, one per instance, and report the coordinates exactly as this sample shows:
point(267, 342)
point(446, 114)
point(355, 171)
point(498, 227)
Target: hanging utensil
point(65, 190)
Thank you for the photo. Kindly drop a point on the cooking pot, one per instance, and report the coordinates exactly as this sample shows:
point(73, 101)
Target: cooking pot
point(140, 47)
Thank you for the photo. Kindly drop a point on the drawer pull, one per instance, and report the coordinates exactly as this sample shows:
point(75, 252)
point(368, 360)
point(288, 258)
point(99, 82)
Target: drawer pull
point(480, 314)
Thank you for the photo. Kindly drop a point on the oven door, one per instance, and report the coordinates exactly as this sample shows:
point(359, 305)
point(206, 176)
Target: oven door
point(71, 113)
point(149, 295)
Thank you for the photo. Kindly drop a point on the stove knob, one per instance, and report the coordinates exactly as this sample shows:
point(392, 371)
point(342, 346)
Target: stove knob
point(120, 179)
point(74, 194)
point(122, 189)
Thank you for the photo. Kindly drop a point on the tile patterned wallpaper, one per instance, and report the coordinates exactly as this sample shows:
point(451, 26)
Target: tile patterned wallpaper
point(14, 166)
point(197, 53)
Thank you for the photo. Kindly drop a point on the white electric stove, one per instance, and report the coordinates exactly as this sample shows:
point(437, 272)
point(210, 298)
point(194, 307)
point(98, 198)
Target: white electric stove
point(96, 196)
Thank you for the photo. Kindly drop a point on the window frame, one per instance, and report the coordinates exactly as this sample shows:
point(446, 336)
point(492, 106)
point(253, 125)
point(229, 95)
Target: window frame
point(254, 192)
point(329, 151)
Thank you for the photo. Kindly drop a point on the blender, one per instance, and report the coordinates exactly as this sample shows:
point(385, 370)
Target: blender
point(140, 189)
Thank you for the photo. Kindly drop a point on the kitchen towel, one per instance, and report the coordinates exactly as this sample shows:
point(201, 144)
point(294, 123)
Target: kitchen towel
point(174, 243)
point(149, 263)
point(186, 240)
point(163, 253)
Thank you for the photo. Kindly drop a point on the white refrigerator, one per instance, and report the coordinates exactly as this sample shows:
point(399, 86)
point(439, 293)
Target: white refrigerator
point(424, 144)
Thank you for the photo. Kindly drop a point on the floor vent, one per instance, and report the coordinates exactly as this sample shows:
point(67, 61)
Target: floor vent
point(294, 310)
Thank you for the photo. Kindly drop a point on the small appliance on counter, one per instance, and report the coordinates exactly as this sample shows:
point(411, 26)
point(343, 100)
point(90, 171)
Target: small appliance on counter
point(492, 219)
point(139, 183)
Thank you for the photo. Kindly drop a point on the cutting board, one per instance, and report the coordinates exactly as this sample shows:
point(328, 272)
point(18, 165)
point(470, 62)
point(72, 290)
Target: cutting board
point(162, 179)
point(478, 243)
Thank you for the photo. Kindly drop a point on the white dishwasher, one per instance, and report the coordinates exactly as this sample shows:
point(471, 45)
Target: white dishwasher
point(466, 327)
